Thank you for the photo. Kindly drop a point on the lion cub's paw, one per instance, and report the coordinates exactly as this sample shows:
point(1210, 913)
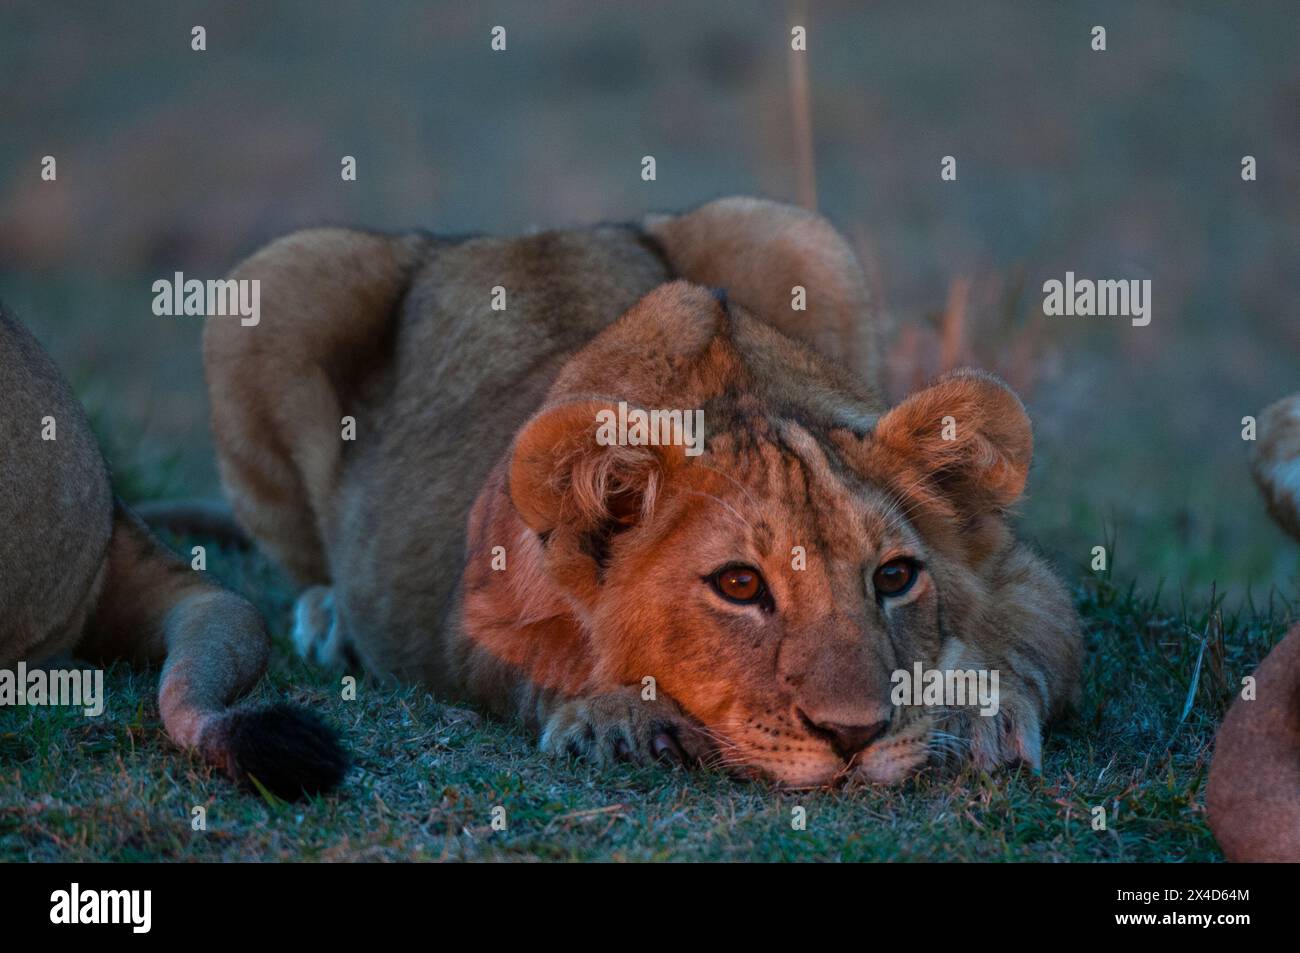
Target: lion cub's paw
point(621, 728)
point(1012, 736)
point(317, 635)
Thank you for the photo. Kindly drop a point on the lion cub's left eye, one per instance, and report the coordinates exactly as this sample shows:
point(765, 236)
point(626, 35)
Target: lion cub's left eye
point(743, 584)
point(895, 577)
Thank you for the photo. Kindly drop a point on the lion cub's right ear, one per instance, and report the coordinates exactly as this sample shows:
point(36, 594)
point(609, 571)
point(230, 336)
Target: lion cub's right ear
point(562, 474)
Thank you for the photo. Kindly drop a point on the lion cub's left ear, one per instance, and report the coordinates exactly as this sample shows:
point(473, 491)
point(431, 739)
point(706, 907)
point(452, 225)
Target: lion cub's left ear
point(561, 473)
point(967, 433)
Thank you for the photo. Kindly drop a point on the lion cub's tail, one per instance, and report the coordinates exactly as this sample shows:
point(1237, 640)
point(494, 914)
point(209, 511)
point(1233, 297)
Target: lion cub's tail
point(211, 519)
point(213, 647)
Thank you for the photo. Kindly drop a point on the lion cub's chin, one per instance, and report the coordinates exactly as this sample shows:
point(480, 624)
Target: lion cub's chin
point(888, 761)
point(887, 764)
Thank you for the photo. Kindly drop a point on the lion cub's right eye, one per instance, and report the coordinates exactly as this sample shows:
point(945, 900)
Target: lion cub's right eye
point(740, 584)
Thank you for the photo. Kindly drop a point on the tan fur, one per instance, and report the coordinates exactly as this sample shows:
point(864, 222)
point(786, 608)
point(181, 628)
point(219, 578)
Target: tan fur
point(81, 575)
point(1275, 461)
point(478, 432)
point(55, 505)
point(759, 251)
point(332, 337)
point(1253, 794)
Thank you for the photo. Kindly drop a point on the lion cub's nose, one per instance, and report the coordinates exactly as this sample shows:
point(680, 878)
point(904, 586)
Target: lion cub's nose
point(847, 740)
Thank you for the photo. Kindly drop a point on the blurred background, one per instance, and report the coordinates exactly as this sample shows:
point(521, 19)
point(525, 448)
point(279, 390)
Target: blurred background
point(1117, 164)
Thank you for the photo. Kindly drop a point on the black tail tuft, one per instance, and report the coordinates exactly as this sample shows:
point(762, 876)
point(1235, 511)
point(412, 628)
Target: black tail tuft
point(287, 749)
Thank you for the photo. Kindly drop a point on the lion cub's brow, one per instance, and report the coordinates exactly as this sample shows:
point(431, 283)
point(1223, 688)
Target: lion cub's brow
point(810, 495)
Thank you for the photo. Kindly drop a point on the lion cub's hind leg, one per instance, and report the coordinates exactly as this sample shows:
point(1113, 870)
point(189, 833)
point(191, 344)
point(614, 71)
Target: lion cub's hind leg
point(318, 632)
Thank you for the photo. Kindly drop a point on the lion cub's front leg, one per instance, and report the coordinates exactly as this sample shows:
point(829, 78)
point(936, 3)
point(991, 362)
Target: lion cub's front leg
point(1032, 639)
point(621, 727)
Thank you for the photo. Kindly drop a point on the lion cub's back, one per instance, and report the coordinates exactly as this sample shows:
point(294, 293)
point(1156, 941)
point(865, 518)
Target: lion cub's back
point(465, 377)
point(491, 313)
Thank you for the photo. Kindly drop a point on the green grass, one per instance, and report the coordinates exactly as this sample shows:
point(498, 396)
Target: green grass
point(427, 776)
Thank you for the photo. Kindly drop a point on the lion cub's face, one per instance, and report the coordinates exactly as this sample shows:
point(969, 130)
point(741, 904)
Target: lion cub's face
point(773, 584)
point(773, 601)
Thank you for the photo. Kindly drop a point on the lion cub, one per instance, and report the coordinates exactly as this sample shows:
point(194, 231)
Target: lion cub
point(80, 573)
point(419, 428)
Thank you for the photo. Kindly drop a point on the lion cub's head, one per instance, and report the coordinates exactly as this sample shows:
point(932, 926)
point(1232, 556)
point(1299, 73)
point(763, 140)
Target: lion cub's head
point(772, 583)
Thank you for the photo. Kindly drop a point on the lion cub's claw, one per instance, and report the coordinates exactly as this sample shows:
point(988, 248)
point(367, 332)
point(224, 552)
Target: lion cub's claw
point(621, 728)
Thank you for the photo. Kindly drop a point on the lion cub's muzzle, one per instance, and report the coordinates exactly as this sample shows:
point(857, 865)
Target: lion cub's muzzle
point(846, 740)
